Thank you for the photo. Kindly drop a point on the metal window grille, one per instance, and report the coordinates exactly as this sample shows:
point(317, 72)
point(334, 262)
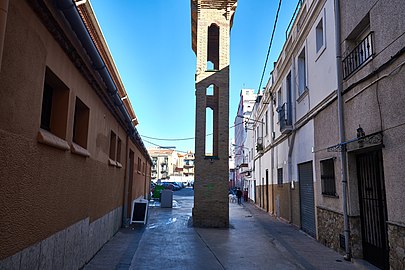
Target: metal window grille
point(328, 177)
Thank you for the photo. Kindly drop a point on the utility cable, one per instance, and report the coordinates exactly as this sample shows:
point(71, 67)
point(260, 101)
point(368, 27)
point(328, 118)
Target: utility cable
point(181, 139)
point(271, 43)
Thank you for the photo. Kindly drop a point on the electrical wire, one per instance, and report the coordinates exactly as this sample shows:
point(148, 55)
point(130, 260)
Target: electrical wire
point(271, 43)
point(164, 147)
point(180, 139)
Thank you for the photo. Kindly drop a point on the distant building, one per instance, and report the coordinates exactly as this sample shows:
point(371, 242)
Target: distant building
point(240, 151)
point(164, 163)
point(72, 159)
point(188, 165)
point(168, 164)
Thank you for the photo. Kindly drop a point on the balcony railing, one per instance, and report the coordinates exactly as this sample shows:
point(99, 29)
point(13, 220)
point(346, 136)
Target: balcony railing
point(284, 118)
point(358, 56)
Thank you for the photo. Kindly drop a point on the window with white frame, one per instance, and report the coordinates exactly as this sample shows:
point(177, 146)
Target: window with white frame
point(279, 98)
point(320, 35)
point(302, 80)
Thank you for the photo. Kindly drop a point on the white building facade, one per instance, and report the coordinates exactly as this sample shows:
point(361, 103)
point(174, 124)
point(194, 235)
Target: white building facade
point(240, 152)
point(302, 83)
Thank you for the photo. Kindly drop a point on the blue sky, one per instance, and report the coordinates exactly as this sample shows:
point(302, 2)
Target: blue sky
point(150, 41)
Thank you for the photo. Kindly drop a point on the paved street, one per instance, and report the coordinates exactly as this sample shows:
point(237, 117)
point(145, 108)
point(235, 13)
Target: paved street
point(254, 241)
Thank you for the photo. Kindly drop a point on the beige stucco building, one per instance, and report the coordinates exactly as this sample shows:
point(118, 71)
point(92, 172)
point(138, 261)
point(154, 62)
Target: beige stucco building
point(164, 163)
point(72, 160)
point(373, 54)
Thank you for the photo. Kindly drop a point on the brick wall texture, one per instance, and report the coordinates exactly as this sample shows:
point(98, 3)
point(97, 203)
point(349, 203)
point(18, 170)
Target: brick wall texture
point(211, 207)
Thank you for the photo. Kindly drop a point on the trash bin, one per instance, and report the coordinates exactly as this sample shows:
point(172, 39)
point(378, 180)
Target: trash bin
point(156, 192)
point(166, 198)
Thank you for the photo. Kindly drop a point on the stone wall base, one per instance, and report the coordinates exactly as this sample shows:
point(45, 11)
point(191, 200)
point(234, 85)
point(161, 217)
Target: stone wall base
point(70, 248)
point(330, 227)
point(396, 240)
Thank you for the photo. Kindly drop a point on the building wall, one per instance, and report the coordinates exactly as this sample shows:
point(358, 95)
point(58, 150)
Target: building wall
point(59, 207)
point(291, 148)
point(373, 98)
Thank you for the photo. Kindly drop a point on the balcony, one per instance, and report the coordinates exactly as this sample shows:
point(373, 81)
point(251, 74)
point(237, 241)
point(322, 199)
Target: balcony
point(188, 164)
point(285, 119)
point(358, 56)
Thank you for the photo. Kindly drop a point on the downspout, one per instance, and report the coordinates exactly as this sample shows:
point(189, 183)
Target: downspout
point(292, 138)
point(3, 22)
point(69, 10)
point(342, 134)
point(126, 185)
point(272, 154)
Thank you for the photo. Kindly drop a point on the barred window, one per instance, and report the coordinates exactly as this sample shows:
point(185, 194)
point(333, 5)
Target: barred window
point(328, 177)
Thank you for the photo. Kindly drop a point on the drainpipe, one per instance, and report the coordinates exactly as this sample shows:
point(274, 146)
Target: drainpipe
point(292, 138)
point(272, 153)
point(126, 185)
point(3, 22)
point(69, 10)
point(342, 135)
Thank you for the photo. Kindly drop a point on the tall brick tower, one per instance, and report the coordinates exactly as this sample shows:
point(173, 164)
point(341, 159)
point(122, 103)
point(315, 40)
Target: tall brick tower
point(211, 26)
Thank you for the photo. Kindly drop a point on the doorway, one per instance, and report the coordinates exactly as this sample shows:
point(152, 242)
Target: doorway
point(373, 208)
point(307, 202)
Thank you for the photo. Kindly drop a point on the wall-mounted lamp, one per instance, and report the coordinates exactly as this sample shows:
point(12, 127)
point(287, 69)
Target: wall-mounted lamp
point(360, 135)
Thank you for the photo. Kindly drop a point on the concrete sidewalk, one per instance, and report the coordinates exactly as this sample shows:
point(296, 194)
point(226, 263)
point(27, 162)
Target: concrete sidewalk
point(254, 241)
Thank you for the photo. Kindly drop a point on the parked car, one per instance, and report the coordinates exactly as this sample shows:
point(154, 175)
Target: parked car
point(171, 185)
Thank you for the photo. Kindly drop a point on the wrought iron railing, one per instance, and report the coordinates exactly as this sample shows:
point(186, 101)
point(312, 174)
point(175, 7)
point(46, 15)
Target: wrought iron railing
point(358, 56)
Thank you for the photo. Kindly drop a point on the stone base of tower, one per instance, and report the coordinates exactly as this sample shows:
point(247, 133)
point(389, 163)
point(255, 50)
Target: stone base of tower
point(211, 203)
point(211, 215)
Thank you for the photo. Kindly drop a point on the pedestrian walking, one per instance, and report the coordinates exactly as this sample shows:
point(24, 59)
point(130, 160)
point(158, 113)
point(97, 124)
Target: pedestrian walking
point(239, 195)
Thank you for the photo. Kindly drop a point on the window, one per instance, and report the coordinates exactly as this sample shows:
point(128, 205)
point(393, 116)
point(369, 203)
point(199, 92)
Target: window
point(55, 104)
point(209, 132)
point(139, 165)
point(115, 150)
point(279, 98)
point(320, 39)
point(328, 177)
point(267, 125)
point(81, 123)
point(280, 177)
point(210, 90)
point(213, 47)
point(113, 138)
point(302, 81)
point(119, 150)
